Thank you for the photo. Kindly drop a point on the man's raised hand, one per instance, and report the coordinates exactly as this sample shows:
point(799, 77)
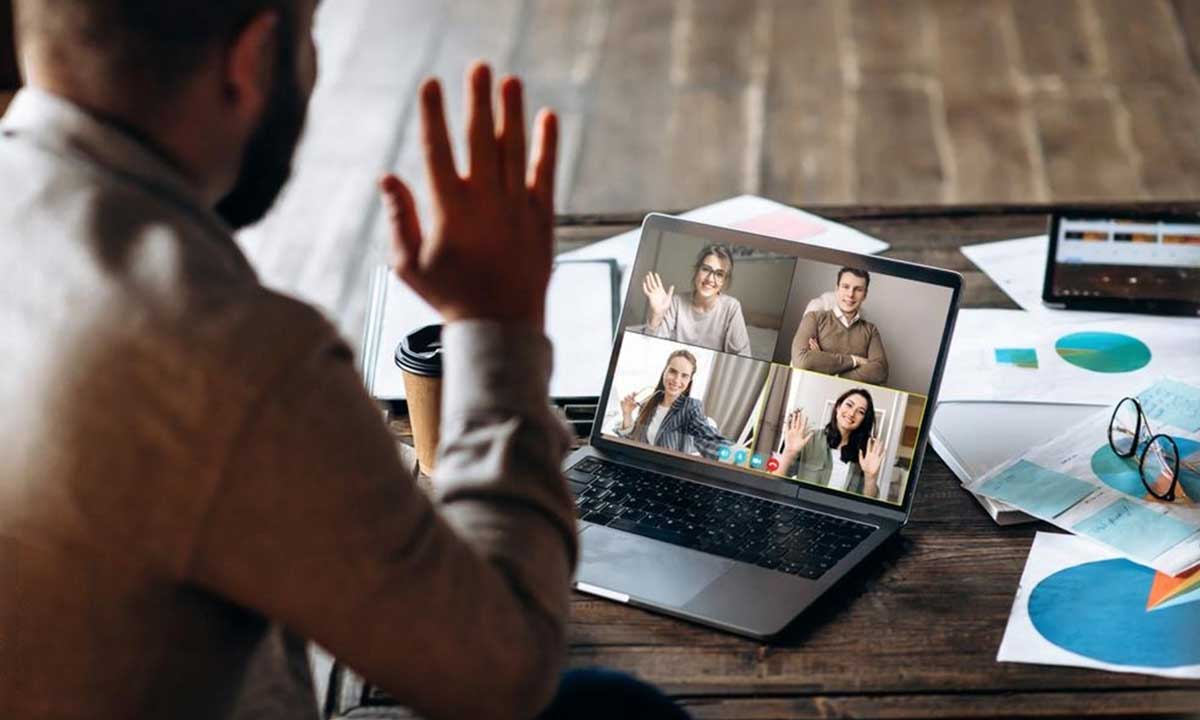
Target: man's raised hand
point(491, 245)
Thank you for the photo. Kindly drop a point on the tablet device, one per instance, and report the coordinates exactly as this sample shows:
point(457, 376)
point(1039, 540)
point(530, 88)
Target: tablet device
point(1124, 263)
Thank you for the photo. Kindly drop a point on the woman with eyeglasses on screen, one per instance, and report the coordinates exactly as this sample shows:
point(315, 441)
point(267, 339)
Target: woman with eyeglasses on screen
point(671, 417)
point(706, 316)
point(842, 455)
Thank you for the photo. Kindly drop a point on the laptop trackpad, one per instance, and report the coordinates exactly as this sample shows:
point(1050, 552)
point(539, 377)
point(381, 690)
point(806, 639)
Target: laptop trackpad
point(645, 569)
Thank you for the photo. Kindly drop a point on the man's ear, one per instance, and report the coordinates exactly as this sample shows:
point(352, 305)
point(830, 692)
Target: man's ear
point(249, 68)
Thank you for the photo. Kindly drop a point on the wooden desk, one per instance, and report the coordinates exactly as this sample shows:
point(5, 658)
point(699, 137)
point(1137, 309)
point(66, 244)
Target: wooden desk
point(914, 634)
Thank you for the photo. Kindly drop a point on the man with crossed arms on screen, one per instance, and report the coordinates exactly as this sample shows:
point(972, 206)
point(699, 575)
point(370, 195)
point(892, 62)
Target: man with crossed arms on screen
point(838, 341)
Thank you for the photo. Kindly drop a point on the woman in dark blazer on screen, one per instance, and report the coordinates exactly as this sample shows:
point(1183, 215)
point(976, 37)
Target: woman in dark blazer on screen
point(671, 417)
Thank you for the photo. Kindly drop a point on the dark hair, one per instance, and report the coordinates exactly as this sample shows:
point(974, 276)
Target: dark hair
point(860, 435)
point(856, 273)
point(721, 251)
point(647, 412)
point(150, 44)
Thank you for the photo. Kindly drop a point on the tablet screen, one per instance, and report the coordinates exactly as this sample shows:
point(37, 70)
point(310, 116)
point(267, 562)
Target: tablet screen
point(1125, 260)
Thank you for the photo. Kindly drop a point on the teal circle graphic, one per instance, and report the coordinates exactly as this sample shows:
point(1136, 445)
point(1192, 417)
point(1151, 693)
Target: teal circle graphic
point(1104, 352)
point(1121, 474)
point(1098, 610)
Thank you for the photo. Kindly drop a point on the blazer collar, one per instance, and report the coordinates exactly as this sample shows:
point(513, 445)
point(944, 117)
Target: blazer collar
point(65, 128)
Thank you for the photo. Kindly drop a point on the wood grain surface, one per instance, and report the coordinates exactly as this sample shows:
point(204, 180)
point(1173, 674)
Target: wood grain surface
point(913, 633)
point(670, 104)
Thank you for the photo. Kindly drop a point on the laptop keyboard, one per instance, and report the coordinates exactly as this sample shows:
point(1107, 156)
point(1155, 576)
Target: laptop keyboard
point(719, 522)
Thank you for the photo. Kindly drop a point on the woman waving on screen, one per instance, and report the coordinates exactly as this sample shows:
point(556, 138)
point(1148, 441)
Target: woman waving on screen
point(842, 455)
point(706, 316)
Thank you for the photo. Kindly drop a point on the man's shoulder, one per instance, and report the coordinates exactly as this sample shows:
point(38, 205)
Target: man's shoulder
point(870, 327)
point(163, 278)
point(822, 318)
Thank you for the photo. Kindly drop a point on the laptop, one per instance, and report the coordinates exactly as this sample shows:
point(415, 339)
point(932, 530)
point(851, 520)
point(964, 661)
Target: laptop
point(762, 423)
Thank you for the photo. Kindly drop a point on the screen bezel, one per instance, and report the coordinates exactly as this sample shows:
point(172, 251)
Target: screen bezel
point(1148, 306)
point(951, 280)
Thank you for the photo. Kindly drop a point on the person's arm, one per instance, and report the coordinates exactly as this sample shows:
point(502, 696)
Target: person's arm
point(667, 320)
point(737, 339)
point(874, 367)
point(659, 301)
point(806, 357)
point(796, 437)
point(315, 524)
point(870, 463)
point(624, 427)
point(708, 441)
point(337, 543)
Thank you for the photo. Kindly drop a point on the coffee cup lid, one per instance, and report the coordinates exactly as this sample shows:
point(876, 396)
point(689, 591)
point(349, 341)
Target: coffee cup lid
point(420, 352)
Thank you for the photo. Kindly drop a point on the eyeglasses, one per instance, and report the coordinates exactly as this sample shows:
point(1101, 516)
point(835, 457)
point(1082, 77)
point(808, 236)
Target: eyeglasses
point(717, 274)
point(1158, 454)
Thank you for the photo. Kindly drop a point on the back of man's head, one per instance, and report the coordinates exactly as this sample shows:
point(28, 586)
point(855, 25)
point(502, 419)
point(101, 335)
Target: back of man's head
point(138, 46)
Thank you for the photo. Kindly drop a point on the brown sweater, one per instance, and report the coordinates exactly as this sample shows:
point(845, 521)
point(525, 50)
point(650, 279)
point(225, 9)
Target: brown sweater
point(838, 343)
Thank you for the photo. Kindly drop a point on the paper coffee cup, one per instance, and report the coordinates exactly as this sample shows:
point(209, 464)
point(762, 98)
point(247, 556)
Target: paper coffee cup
point(419, 356)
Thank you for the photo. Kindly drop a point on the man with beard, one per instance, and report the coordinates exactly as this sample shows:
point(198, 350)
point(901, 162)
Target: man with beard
point(190, 456)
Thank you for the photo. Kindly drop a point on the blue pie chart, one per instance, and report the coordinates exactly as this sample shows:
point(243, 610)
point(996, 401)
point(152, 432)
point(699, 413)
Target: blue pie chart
point(1122, 474)
point(1098, 610)
point(1104, 352)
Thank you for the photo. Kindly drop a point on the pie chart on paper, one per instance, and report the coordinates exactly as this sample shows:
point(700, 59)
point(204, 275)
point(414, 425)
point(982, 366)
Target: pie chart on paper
point(1115, 614)
point(1104, 352)
point(1123, 475)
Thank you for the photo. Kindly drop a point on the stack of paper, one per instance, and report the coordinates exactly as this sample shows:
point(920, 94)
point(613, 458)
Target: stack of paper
point(1016, 375)
point(581, 317)
point(1077, 482)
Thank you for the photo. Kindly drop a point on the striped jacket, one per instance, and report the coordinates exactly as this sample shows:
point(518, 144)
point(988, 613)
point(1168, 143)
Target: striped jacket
point(684, 421)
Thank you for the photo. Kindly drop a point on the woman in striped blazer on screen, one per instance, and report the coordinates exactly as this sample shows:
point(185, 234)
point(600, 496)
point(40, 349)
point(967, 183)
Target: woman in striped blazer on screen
point(671, 418)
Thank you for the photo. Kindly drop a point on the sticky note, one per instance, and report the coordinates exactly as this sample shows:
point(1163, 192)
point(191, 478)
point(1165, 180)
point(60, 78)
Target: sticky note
point(1035, 489)
point(1174, 403)
point(1134, 529)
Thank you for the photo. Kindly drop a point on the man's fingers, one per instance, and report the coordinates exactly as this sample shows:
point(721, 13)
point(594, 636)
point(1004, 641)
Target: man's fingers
point(481, 127)
point(406, 225)
point(512, 134)
point(541, 173)
point(439, 153)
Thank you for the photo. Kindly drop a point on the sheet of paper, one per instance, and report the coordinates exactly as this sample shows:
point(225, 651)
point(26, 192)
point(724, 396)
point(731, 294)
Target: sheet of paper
point(1035, 489)
point(1091, 361)
point(1134, 529)
point(745, 212)
point(579, 321)
point(1078, 483)
point(1016, 266)
point(1174, 403)
point(1081, 605)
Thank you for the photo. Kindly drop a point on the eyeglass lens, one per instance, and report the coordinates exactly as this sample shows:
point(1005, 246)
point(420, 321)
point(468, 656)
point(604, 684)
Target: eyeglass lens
point(717, 273)
point(1159, 466)
point(1125, 427)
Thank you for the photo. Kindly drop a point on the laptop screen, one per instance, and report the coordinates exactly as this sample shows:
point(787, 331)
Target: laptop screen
point(754, 355)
